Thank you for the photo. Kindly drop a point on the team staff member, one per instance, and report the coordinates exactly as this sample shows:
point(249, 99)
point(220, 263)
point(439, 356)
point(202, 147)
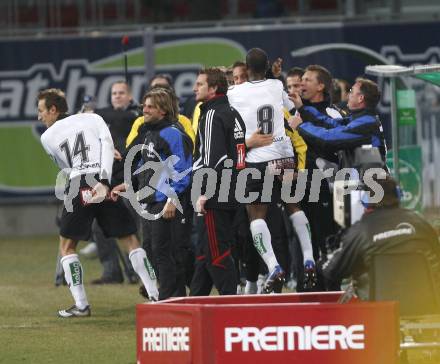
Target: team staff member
point(220, 139)
point(343, 135)
point(137, 136)
point(163, 138)
point(121, 114)
point(361, 126)
point(82, 144)
point(293, 80)
point(315, 90)
point(182, 119)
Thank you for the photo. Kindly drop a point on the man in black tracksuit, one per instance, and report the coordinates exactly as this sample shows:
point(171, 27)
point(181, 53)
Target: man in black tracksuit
point(220, 146)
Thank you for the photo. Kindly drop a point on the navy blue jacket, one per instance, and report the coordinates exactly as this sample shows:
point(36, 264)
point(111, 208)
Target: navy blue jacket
point(359, 128)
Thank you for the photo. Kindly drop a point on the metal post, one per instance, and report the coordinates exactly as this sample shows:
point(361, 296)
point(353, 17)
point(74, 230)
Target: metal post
point(303, 7)
point(149, 52)
point(350, 8)
point(41, 14)
point(81, 12)
point(15, 18)
point(395, 130)
point(395, 7)
point(137, 11)
point(233, 9)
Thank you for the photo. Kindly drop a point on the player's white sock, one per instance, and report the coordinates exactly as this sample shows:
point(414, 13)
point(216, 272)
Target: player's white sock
point(250, 288)
point(302, 227)
point(145, 271)
point(239, 289)
point(73, 273)
point(260, 283)
point(263, 243)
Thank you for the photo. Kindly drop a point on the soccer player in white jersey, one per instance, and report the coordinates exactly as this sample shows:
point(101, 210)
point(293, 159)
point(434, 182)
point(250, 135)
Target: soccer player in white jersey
point(82, 146)
point(260, 102)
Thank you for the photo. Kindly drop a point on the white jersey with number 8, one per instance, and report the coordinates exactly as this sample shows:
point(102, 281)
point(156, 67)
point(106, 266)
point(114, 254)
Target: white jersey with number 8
point(260, 104)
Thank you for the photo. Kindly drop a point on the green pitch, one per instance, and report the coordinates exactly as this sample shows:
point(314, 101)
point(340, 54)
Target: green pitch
point(30, 332)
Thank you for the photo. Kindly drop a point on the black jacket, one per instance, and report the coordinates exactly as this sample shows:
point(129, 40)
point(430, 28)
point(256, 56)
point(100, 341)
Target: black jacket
point(220, 142)
point(387, 229)
point(119, 123)
point(315, 151)
point(166, 156)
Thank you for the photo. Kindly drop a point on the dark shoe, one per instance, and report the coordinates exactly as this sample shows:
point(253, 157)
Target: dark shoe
point(74, 312)
point(60, 280)
point(143, 292)
point(310, 277)
point(275, 280)
point(133, 279)
point(105, 280)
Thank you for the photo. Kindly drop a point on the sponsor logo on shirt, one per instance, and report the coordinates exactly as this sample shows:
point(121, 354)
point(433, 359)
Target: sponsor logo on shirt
point(238, 130)
point(150, 150)
point(241, 156)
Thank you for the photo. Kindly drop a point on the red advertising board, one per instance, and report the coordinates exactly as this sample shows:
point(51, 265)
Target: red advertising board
point(307, 327)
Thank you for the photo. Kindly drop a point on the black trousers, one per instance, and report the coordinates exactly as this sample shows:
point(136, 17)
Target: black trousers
point(214, 263)
point(164, 240)
point(322, 225)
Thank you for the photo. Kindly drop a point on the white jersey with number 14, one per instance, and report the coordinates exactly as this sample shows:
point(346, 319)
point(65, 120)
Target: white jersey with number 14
point(81, 142)
point(260, 104)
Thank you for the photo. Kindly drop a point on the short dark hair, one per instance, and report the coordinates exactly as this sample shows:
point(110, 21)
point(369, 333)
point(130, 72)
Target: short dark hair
point(165, 76)
point(295, 71)
point(215, 77)
point(238, 64)
point(336, 92)
point(323, 76)
point(257, 61)
point(344, 84)
point(54, 97)
point(391, 196)
point(122, 82)
point(370, 90)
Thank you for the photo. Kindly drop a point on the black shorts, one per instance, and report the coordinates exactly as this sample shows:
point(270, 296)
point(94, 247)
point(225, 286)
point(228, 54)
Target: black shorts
point(267, 186)
point(114, 218)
